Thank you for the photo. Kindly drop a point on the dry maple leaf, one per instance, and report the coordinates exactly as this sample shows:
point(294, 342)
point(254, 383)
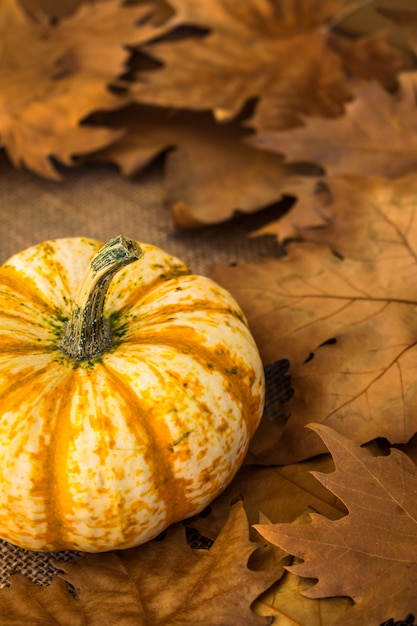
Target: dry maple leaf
point(368, 555)
point(252, 50)
point(308, 218)
point(160, 583)
point(347, 326)
point(371, 57)
point(210, 174)
point(353, 215)
point(377, 135)
point(53, 76)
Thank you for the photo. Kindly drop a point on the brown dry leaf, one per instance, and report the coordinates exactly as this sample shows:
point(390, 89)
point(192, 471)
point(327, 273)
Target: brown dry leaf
point(54, 76)
point(373, 547)
point(252, 50)
point(289, 608)
point(371, 58)
point(50, 7)
point(210, 174)
point(353, 215)
point(166, 583)
point(161, 10)
point(24, 603)
point(308, 218)
point(160, 583)
point(347, 326)
point(280, 493)
point(404, 17)
point(377, 135)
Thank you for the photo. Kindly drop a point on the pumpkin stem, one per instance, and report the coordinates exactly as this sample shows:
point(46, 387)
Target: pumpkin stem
point(88, 334)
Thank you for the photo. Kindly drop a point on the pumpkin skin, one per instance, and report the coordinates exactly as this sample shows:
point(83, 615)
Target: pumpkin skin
point(106, 453)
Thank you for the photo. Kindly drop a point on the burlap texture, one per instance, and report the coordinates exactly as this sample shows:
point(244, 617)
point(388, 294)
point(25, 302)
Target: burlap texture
point(95, 201)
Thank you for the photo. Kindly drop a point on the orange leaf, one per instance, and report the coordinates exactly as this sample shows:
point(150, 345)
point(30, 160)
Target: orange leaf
point(210, 172)
point(54, 76)
point(252, 50)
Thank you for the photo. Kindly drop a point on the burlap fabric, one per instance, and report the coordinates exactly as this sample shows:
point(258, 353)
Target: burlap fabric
point(95, 201)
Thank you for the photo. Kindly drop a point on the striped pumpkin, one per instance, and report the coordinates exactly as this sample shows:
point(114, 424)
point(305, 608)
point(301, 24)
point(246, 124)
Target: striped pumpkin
point(129, 391)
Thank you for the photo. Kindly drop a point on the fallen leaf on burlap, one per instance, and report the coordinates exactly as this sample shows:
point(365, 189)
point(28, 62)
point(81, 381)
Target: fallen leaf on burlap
point(210, 173)
point(252, 50)
point(353, 215)
point(55, 75)
point(162, 582)
point(376, 136)
point(24, 603)
point(373, 547)
point(348, 328)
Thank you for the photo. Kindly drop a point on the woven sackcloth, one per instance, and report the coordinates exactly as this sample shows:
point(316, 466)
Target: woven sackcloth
point(96, 201)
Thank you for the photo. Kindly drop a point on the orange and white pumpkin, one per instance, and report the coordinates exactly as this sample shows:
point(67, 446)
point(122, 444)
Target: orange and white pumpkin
point(129, 391)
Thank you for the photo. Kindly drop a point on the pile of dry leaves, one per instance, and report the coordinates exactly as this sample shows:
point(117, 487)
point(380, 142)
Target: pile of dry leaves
point(253, 102)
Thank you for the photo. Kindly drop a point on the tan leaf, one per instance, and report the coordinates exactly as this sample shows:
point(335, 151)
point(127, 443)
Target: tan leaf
point(210, 174)
point(54, 76)
point(347, 326)
point(377, 135)
point(373, 547)
point(289, 608)
point(308, 218)
point(245, 55)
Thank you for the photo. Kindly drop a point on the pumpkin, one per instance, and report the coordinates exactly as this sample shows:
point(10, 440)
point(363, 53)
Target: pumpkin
point(129, 391)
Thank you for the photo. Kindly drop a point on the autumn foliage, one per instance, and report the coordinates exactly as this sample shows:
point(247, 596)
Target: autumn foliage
point(251, 103)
